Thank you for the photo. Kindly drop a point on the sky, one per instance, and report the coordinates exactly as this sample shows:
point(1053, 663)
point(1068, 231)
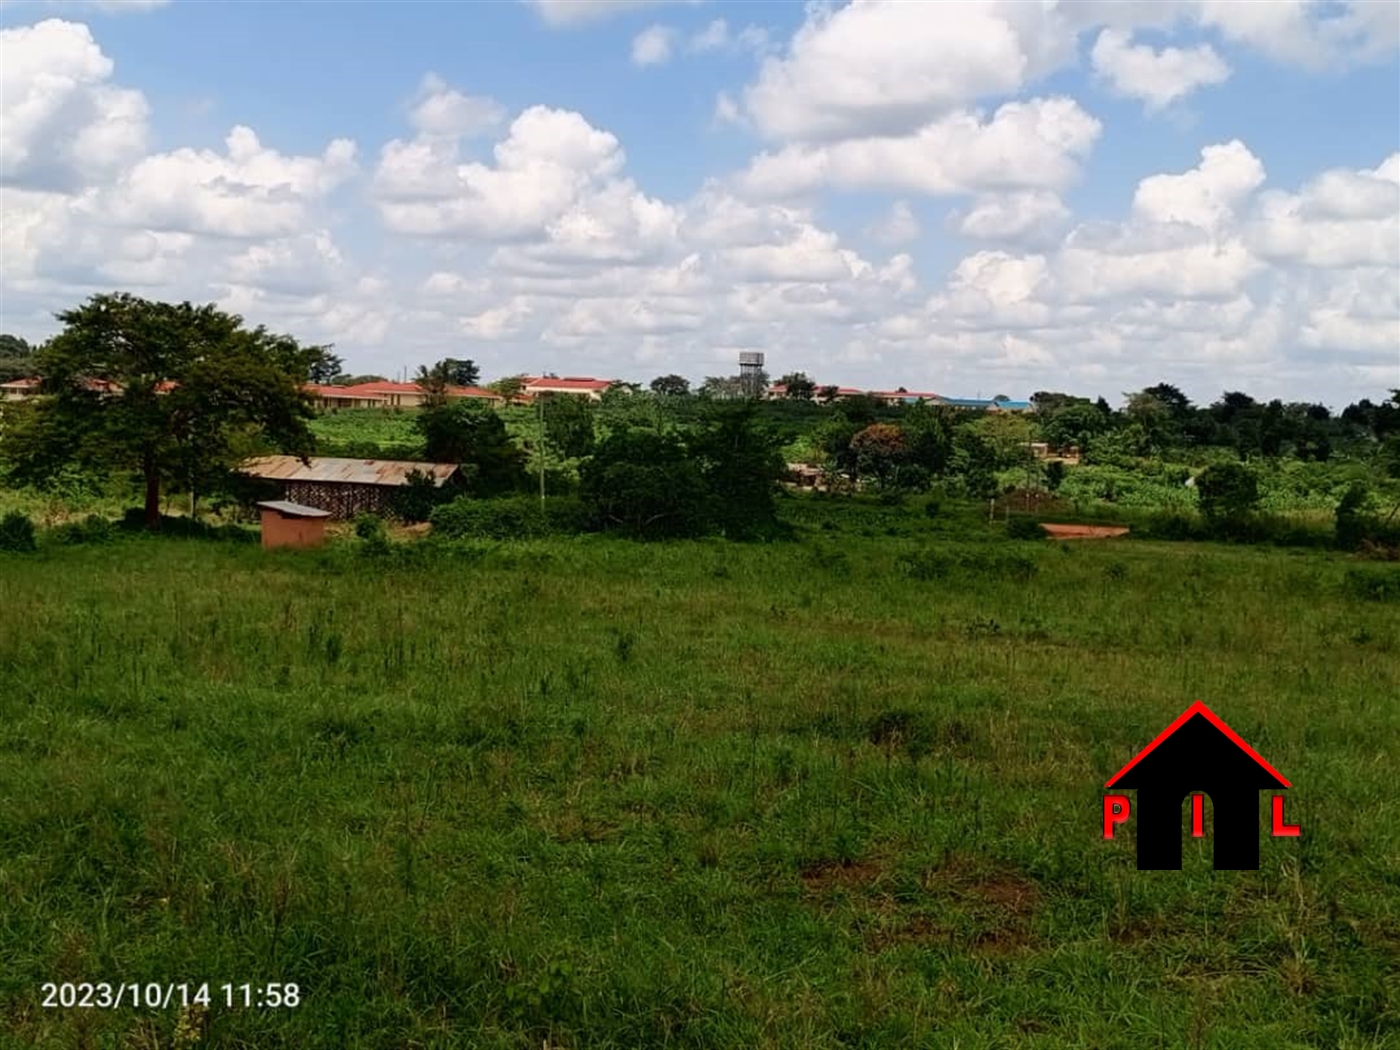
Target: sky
point(971, 198)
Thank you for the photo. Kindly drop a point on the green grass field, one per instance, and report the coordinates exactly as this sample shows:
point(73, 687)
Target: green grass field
point(838, 792)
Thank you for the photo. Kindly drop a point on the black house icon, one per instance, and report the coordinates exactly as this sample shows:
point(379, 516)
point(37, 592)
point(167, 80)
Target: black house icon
point(1198, 752)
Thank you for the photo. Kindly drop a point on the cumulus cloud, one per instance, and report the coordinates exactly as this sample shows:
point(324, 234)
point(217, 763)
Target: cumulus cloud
point(1210, 275)
point(1340, 219)
point(888, 67)
point(652, 46)
point(526, 235)
point(250, 190)
point(1023, 216)
point(442, 110)
point(549, 159)
point(1034, 144)
point(1206, 196)
point(1158, 77)
point(63, 125)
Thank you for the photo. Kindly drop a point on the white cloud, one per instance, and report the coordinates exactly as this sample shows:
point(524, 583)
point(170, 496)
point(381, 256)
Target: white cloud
point(548, 161)
point(1341, 219)
point(441, 110)
point(899, 226)
point(1308, 34)
point(249, 191)
point(652, 46)
point(1028, 216)
point(1034, 144)
point(1159, 78)
point(717, 37)
point(305, 265)
point(1206, 196)
point(62, 124)
point(545, 251)
point(563, 14)
point(887, 68)
point(877, 68)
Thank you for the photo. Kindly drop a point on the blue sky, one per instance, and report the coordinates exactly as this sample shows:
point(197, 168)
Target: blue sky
point(1088, 196)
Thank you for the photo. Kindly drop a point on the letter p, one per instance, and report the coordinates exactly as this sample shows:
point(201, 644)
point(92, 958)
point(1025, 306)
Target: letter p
point(1115, 811)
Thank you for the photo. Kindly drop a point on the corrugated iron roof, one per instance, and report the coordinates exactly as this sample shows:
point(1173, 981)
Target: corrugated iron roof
point(294, 510)
point(345, 471)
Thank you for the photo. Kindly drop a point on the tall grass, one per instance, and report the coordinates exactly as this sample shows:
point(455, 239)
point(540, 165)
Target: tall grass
point(692, 794)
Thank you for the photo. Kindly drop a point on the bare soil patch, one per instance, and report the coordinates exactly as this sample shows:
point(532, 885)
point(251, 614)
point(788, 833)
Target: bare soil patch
point(1084, 532)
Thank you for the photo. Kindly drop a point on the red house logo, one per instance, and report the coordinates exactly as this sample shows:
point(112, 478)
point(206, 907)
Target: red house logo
point(1197, 755)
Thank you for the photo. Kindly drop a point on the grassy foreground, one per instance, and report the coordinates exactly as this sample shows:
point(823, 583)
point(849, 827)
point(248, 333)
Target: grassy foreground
point(839, 792)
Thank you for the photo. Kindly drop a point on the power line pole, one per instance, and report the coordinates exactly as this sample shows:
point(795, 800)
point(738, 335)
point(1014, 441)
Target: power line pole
point(540, 402)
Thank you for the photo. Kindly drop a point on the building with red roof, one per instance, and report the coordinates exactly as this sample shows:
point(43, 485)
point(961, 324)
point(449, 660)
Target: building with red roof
point(582, 386)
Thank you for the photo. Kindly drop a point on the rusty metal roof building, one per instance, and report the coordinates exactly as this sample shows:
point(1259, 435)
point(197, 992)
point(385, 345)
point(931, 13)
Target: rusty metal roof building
point(332, 470)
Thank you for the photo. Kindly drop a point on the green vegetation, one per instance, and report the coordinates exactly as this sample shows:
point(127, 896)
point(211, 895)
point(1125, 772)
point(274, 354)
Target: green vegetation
point(525, 781)
point(174, 394)
point(837, 791)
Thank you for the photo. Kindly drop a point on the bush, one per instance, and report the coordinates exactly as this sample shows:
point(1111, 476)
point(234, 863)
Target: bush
point(1024, 527)
point(1228, 492)
point(508, 518)
point(92, 529)
point(16, 533)
point(1351, 527)
point(1171, 526)
point(415, 501)
point(134, 520)
point(370, 529)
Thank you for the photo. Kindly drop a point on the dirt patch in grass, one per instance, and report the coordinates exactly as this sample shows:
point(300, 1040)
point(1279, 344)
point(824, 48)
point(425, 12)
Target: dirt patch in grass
point(827, 875)
point(964, 909)
point(1083, 532)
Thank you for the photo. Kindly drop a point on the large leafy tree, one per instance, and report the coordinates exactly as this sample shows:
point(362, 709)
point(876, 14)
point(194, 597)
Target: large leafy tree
point(568, 424)
point(174, 393)
point(16, 358)
point(323, 366)
point(645, 484)
point(799, 385)
point(881, 451)
point(741, 465)
point(474, 436)
point(670, 385)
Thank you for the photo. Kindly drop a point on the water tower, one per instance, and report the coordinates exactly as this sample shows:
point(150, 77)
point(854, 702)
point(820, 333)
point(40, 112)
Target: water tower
point(751, 372)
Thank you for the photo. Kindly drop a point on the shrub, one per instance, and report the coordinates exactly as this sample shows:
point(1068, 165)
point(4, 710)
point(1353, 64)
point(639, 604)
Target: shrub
point(370, 529)
point(1171, 526)
point(508, 517)
point(1024, 527)
point(1351, 527)
point(16, 533)
point(1228, 492)
point(92, 529)
point(414, 502)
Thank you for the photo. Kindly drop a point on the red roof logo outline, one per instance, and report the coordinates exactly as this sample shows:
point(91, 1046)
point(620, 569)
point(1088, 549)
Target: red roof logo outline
point(1210, 716)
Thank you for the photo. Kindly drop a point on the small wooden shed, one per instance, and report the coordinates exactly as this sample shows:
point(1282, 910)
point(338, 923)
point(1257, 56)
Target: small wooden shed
point(286, 524)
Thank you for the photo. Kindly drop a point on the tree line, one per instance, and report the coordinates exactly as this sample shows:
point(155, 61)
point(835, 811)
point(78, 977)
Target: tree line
point(177, 395)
